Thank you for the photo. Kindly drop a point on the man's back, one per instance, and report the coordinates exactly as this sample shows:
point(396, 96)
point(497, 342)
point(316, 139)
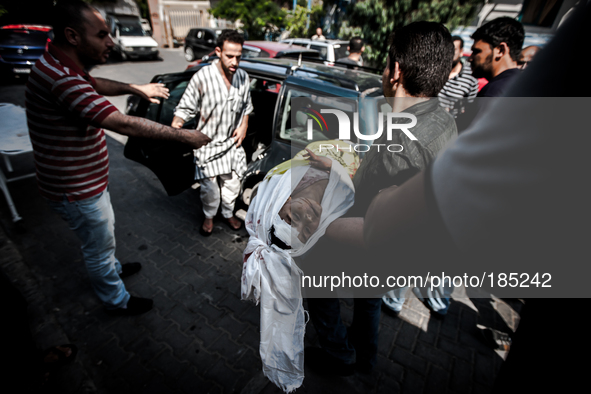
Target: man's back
point(381, 169)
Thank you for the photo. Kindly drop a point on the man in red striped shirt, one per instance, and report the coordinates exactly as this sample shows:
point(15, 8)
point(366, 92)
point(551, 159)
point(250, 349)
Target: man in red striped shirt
point(66, 110)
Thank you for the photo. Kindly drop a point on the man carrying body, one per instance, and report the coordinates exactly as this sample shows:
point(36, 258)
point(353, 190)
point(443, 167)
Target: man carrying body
point(461, 85)
point(65, 112)
point(220, 94)
point(355, 49)
point(418, 65)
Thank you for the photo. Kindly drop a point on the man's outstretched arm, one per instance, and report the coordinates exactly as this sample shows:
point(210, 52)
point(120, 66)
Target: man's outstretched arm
point(108, 87)
point(139, 127)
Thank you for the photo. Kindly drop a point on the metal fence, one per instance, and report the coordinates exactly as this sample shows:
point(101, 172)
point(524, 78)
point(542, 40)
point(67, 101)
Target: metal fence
point(181, 21)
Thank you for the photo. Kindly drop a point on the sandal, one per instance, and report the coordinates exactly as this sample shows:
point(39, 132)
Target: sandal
point(233, 223)
point(204, 232)
point(56, 356)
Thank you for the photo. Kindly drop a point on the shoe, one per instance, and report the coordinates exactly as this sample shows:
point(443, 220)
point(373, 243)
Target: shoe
point(387, 309)
point(496, 339)
point(324, 364)
point(233, 223)
point(129, 269)
point(135, 306)
point(434, 297)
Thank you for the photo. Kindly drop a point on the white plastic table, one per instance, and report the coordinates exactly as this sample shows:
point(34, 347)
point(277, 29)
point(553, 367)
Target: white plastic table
point(14, 140)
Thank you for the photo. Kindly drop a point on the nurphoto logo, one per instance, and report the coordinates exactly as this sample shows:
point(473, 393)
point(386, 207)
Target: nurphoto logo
point(345, 128)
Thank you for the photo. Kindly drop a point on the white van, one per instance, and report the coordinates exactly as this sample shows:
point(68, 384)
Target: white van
point(131, 40)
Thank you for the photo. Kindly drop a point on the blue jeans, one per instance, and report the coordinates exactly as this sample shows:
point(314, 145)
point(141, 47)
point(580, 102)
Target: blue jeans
point(359, 344)
point(93, 221)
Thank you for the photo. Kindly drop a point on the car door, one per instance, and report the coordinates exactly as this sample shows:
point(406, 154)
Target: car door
point(172, 162)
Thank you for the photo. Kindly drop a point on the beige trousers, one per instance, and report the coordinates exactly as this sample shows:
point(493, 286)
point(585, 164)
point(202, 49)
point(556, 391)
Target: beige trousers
point(211, 196)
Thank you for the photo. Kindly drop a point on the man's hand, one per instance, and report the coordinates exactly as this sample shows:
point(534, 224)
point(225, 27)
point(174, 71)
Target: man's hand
point(151, 90)
point(177, 122)
point(320, 162)
point(239, 135)
point(240, 132)
point(197, 139)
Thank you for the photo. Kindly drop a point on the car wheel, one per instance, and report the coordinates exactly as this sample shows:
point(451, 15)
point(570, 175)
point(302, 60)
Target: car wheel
point(189, 54)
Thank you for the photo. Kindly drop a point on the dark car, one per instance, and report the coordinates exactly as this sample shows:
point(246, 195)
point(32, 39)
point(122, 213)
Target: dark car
point(21, 46)
point(271, 137)
point(199, 42)
point(265, 49)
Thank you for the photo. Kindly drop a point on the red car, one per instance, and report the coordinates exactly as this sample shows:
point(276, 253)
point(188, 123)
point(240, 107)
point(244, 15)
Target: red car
point(266, 49)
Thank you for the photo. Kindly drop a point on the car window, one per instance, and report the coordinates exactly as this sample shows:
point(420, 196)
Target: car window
point(199, 34)
point(249, 53)
point(340, 51)
point(263, 94)
point(23, 37)
point(176, 90)
point(132, 29)
point(293, 125)
point(321, 49)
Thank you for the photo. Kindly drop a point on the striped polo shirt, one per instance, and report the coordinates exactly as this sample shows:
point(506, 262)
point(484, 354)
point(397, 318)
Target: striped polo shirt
point(63, 108)
point(458, 91)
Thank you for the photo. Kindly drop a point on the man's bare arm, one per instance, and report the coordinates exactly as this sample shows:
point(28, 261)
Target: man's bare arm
point(108, 87)
point(347, 230)
point(139, 127)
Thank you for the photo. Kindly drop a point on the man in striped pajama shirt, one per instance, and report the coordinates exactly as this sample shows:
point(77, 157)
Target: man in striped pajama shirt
point(66, 110)
point(220, 95)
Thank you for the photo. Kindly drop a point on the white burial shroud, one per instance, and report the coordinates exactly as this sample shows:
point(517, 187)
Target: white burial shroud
point(271, 276)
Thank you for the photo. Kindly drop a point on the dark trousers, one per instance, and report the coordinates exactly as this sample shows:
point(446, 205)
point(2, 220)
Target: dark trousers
point(357, 344)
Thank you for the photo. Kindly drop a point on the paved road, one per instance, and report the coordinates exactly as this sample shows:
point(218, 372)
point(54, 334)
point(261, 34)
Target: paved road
point(201, 337)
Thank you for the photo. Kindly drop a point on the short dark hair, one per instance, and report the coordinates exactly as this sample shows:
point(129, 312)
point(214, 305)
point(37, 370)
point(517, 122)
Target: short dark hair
point(355, 44)
point(69, 13)
point(424, 51)
point(231, 36)
point(458, 38)
point(499, 30)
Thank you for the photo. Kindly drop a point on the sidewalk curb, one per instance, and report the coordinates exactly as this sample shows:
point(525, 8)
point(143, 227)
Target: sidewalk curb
point(45, 329)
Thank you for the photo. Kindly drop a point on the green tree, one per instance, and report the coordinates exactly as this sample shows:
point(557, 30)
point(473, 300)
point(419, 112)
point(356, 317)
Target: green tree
point(257, 16)
point(379, 18)
point(295, 21)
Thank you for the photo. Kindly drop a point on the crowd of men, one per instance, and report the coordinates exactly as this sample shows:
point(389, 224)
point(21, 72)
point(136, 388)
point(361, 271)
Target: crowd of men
point(67, 109)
